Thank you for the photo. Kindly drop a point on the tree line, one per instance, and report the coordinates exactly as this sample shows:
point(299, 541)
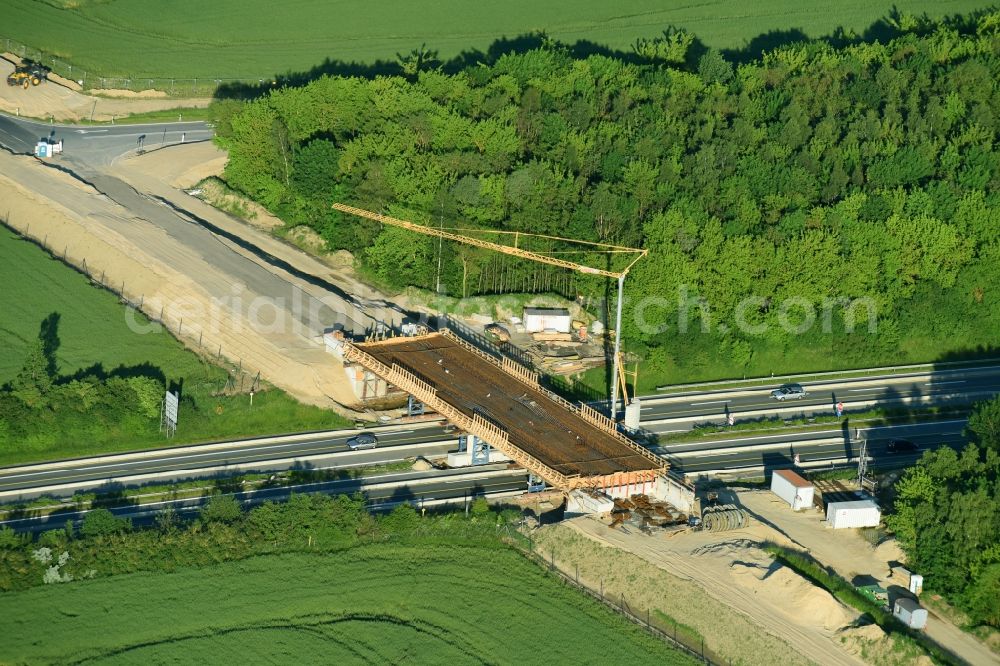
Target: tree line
point(815, 175)
point(38, 407)
point(946, 518)
point(223, 530)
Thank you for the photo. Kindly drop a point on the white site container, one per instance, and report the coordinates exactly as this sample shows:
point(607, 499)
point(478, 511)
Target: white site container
point(856, 513)
point(792, 488)
point(537, 320)
point(910, 613)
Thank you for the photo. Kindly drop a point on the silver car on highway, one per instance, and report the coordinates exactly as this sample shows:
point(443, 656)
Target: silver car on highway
point(789, 392)
point(363, 441)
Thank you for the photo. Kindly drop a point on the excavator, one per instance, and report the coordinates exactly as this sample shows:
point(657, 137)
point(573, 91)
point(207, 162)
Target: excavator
point(28, 73)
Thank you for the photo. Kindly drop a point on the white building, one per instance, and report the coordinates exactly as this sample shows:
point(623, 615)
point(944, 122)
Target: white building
point(537, 320)
point(792, 488)
point(856, 513)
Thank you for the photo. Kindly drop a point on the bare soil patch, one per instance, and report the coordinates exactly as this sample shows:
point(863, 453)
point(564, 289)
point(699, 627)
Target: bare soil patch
point(62, 100)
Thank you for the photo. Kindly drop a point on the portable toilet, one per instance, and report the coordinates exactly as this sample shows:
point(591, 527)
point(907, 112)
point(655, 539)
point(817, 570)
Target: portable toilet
point(633, 414)
point(43, 149)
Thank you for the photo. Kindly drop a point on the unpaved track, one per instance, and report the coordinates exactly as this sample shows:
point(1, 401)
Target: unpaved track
point(849, 555)
point(52, 100)
point(677, 556)
point(204, 284)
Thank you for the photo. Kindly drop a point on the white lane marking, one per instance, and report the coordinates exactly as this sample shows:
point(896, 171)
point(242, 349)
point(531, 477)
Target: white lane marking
point(960, 381)
point(714, 402)
point(871, 388)
point(169, 459)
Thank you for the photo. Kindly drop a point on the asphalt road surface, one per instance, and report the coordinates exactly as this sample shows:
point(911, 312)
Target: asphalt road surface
point(816, 447)
point(678, 413)
point(89, 150)
point(186, 463)
point(97, 145)
point(383, 492)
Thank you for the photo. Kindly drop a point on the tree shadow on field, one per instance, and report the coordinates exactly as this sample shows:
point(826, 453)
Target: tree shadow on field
point(99, 372)
point(882, 30)
point(48, 333)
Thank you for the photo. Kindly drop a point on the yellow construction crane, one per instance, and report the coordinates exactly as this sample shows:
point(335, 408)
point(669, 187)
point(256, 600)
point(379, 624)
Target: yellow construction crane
point(635, 254)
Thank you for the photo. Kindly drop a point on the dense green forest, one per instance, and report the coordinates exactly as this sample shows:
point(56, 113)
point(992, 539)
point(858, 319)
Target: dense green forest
point(947, 518)
point(830, 205)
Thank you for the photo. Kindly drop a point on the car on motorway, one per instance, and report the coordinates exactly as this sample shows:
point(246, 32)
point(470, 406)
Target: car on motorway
point(789, 392)
point(365, 440)
point(900, 446)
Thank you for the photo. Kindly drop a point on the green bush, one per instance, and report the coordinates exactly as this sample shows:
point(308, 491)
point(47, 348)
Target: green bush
point(221, 509)
point(101, 522)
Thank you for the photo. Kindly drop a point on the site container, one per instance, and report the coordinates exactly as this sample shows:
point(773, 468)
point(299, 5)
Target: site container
point(792, 488)
point(913, 582)
point(537, 320)
point(910, 613)
point(856, 513)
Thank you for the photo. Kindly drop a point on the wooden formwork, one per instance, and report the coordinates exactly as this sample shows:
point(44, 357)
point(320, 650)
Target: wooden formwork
point(475, 425)
point(637, 465)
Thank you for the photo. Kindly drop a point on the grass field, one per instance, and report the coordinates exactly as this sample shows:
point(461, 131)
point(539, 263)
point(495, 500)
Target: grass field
point(93, 333)
point(379, 604)
point(249, 39)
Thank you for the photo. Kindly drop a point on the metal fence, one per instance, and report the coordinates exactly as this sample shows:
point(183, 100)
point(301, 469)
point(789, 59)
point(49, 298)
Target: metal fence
point(91, 80)
point(241, 379)
point(650, 620)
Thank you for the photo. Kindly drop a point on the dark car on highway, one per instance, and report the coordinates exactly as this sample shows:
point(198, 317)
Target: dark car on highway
point(900, 446)
point(363, 441)
point(788, 392)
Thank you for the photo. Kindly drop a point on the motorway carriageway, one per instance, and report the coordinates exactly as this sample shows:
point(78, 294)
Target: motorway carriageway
point(423, 489)
point(308, 452)
point(715, 406)
point(329, 449)
point(817, 448)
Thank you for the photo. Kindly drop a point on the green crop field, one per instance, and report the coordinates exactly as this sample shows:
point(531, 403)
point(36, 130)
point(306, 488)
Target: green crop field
point(379, 604)
point(93, 338)
point(256, 39)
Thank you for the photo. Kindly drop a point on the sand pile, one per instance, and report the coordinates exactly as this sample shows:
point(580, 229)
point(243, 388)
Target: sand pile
point(783, 588)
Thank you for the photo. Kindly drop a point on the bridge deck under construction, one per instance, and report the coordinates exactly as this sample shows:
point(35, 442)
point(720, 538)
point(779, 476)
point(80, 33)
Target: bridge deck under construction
point(576, 442)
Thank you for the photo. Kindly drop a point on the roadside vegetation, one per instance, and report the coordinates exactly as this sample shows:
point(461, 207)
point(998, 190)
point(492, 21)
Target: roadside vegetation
point(314, 579)
point(846, 192)
point(907, 644)
point(76, 380)
point(946, 518)
point(228, 38)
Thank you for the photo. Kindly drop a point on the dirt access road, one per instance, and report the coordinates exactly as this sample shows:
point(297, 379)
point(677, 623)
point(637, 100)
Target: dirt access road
point(765, 597)
point(58, 100)
point(222, 286)
point(213, 280)
point(850, 555)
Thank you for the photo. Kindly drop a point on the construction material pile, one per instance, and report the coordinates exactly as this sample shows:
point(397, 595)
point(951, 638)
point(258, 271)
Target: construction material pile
point(724, 517)
point(645, 513)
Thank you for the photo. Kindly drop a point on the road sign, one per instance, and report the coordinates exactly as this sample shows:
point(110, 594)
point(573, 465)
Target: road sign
point(169, 413)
